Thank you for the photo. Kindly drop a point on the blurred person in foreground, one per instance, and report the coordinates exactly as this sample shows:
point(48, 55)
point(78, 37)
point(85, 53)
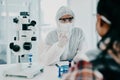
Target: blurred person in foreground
point(107, 61)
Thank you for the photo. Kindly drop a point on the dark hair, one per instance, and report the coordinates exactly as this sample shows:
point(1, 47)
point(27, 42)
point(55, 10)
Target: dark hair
point(111, 10)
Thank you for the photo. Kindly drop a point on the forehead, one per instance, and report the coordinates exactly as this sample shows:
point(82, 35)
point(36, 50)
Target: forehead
point(66, 16)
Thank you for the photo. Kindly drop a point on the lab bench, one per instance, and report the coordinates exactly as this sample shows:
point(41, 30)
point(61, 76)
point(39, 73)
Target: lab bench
point(49, 73)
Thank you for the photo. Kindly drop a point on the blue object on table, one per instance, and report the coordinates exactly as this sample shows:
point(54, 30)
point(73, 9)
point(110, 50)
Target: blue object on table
point(62, 69)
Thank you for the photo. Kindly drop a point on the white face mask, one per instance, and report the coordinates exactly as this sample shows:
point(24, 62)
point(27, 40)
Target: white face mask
point(65, 27)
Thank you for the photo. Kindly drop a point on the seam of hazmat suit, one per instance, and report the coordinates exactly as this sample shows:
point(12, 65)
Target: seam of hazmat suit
point(81, 51)
point(81, 55)
point(67, 46)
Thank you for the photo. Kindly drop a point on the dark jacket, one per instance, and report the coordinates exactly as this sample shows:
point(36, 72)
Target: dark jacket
point(107, 66)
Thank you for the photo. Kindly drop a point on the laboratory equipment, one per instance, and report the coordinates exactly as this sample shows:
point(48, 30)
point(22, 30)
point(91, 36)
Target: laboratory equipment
point(62, 69)
point(24, 43)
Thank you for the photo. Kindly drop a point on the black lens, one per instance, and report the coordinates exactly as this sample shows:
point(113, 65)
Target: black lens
point(27, 45)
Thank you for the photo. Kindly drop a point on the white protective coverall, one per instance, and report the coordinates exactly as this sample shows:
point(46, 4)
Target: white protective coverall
point(74, 48)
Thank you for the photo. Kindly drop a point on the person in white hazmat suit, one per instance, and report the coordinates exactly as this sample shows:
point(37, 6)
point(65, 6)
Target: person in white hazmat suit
point(66, 42)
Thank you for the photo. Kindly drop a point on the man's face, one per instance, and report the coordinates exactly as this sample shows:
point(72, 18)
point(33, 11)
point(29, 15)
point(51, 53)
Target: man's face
point(101, 26)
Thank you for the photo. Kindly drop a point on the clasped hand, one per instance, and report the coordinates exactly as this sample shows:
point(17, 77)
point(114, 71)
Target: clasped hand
point(62, 39)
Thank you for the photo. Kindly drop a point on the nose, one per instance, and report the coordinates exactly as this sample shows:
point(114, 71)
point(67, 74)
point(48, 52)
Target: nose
point(67, 21)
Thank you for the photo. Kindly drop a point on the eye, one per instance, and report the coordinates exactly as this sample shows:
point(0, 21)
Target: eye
point(66, 19)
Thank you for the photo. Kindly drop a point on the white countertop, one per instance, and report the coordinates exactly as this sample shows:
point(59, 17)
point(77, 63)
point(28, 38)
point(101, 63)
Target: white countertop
point(49, 73)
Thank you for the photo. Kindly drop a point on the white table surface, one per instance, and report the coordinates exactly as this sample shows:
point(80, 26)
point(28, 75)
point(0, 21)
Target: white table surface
point(50, 73)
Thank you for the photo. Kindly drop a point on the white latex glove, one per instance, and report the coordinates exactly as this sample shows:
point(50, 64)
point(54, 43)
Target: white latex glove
point(62, 39)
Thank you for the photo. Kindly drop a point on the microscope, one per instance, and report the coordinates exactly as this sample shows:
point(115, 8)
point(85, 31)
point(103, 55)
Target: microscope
point(24, 43)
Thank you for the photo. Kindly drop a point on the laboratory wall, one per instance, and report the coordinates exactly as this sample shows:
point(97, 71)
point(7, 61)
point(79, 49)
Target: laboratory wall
point(85, 12)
